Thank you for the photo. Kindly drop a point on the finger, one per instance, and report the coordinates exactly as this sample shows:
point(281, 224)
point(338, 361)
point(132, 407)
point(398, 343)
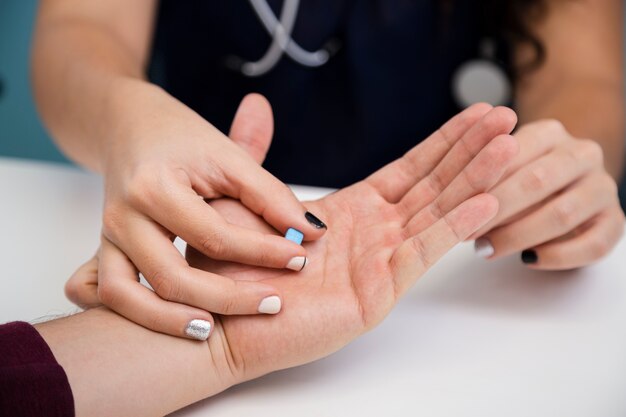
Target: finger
point(120, 290)
point(173, 279)
point(560, 216)
point(542, 178)
point(595, 242)
point(82, 287)
point(537, 139)
point(271, 199)
point(418, 253)
point(253, 126)
point(395, 179)
point(482, 173)
point(179, 209)
point(498, 121)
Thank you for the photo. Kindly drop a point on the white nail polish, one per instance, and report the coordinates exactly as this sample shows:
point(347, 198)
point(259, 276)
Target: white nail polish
point(270, 305)
point(483, 248)
point(297, 263)
point(198, 329)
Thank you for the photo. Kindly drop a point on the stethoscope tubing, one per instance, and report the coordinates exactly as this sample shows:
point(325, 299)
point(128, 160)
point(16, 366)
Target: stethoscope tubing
point(282, 42)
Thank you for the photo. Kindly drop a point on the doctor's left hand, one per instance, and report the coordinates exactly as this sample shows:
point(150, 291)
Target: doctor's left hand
point(559, 207)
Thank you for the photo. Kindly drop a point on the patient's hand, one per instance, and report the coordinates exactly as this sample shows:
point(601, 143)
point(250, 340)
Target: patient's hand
point(383, 234)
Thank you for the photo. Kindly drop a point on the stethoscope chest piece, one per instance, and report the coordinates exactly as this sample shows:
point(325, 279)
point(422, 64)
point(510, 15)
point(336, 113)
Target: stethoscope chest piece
point(481, 80)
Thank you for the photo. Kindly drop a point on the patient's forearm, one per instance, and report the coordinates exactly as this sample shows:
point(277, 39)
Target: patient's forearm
point(116, 367)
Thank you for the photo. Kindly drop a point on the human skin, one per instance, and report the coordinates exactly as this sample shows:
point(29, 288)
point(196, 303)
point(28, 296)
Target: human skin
point(159, 160)
point(89, 62)
point(386, 232)
point(571, 112)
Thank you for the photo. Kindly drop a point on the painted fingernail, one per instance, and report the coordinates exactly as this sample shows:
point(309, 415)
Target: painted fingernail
point(270, 305)
point(529, 257)
point(297, 263)
point(312, 218)
point(198, 329)
point(483, 248)
point(294, 235)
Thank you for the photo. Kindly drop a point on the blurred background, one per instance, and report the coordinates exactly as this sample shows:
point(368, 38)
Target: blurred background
point(21, 133)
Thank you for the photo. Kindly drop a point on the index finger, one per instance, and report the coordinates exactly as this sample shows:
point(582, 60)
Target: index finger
point(171, 277)
point(271, 199)
point(181, 211)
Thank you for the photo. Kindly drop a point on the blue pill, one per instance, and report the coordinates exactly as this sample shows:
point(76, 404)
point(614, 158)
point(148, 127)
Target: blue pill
point(294, 235)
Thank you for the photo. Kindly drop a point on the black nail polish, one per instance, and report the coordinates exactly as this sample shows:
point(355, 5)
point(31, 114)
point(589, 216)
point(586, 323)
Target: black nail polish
point(529, 257)
point(310, 217)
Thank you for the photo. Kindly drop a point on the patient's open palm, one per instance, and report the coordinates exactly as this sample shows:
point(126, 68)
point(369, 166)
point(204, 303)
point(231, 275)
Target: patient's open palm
point(383, 234)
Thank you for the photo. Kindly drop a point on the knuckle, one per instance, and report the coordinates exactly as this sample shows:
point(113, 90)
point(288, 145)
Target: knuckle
point(419, 247)
point(283, 193)
point(565, 214)
point(476, 181)
point(537, 180)
point(113, 220)
point(214, 244)
point(598, 247)
point(107, 294)
point(436, 209)
point(228, 303)
point(553, 127)
point(228, 306)
point(436, 182)
point(589, 151)
point(142, 185)
point(167, 284)
point(157, 319)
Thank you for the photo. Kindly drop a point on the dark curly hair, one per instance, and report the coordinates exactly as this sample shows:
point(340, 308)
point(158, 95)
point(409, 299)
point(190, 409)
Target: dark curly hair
point(509, 21)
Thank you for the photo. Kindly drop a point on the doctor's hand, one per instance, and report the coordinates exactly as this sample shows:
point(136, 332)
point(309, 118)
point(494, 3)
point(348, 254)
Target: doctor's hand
point(156, 183)
point(559, 207)
point(384, 233)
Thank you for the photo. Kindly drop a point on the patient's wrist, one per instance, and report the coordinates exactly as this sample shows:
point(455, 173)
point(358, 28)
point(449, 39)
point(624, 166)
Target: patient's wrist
point(112, 362)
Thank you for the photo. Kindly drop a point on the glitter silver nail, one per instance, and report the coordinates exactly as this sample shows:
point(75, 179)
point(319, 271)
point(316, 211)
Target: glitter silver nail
point(198, 329)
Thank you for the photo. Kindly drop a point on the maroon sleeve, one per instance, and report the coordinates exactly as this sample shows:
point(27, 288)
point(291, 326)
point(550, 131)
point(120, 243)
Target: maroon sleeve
point(32, 383)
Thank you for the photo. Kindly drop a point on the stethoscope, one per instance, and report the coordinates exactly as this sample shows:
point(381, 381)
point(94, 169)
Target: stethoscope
point(480, 79)
point(282, 43)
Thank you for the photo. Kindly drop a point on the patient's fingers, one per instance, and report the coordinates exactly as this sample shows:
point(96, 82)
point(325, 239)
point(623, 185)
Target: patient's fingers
point(395, 179)
point(120, 290)
point(82, 287)
point(480, 175)
point(418, 253)
point(498, 121)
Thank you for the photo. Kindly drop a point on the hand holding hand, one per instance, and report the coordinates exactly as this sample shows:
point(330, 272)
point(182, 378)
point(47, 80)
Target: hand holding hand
point(384, 233)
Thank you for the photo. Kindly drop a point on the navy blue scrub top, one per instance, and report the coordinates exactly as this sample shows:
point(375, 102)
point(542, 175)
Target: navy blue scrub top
point(386, 89)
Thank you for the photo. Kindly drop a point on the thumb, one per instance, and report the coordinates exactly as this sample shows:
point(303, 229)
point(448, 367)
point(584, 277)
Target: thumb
point(82, 287)
point(253, 126)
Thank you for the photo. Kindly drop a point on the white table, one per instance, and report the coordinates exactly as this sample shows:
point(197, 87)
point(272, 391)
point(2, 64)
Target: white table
point(471, 339)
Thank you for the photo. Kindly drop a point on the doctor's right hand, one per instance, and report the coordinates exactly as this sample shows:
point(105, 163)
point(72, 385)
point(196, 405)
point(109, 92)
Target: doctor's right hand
point(157, 178)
